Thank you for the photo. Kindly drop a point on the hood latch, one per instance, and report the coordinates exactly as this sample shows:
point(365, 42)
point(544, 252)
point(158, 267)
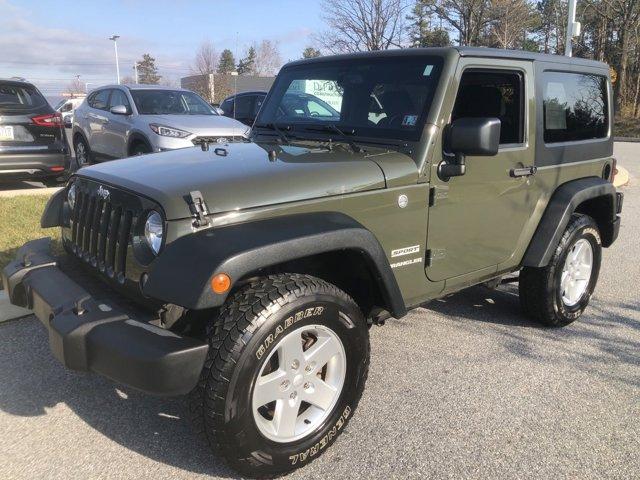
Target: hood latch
point(198, 209)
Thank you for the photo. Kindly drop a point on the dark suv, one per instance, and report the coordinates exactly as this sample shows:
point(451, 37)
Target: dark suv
point(246, 105)
point(33, 145)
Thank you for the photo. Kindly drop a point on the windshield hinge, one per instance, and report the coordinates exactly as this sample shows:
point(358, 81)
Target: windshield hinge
point(198, 209)
point(436, 193)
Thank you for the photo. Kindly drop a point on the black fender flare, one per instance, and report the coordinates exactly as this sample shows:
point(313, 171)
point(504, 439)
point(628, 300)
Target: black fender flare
point(182, 272)
point(52, 213)
point(563, 203)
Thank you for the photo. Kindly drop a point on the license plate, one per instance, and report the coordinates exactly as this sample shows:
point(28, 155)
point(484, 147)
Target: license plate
point(6, 133)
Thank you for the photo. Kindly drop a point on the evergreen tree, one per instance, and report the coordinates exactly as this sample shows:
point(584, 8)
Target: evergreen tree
point(421, 33)
point(247, 65)
point(227, 63)
point(311, 52)
point(147, 70)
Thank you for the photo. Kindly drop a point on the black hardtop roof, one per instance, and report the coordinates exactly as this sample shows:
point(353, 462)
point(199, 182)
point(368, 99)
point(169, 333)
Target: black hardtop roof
point(482, 52)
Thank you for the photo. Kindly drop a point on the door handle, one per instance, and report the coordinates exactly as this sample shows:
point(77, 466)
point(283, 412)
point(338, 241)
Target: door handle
point(523, 171)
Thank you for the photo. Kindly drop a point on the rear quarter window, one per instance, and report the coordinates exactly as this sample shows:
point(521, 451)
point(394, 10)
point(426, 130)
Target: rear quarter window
point(575, 107)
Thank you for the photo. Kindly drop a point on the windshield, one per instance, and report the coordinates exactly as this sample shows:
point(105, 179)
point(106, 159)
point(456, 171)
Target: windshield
point(19, 98)
point(170, 102)
point(368, 97)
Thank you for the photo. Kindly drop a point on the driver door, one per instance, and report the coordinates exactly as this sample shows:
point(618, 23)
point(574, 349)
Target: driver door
point(477, 219)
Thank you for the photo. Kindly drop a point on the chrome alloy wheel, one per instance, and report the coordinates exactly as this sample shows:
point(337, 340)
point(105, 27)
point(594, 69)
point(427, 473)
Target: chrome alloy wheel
point(299, 383)
point(576, 272)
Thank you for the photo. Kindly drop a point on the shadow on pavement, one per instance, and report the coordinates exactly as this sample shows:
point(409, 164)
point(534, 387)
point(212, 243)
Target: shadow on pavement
point(606, 336)
point(158, 428)
point(33, 381)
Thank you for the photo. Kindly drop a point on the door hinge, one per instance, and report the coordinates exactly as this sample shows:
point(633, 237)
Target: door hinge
point(198, 209)
point(436, 193)
point(434, 255)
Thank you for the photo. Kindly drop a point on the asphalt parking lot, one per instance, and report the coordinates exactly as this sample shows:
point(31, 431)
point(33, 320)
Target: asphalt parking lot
point(465, 388)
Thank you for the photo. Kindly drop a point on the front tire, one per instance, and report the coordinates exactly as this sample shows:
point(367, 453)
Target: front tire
point(287, 364)
point(139, 148)
point(556, 295)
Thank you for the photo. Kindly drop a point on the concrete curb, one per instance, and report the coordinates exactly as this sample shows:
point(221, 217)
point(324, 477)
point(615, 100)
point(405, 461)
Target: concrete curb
point(626, 139)
point(28, 191)
point(622, 177)
point(10, 312)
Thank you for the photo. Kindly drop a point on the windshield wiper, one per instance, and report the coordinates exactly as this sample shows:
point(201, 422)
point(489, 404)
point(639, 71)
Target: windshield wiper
point(272, 126)
point(343, 135)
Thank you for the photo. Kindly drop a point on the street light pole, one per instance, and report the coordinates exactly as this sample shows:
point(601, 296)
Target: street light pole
point(115, 46)
point(573, 28)
point(135, 71)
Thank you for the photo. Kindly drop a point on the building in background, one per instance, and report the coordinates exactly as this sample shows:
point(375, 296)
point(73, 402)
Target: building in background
point(216, 87)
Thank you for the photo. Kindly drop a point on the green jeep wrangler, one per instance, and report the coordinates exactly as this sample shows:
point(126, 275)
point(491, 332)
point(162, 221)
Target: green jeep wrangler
point(373, 183)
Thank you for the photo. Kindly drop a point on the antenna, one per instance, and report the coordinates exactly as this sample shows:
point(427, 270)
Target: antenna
point(235, 86)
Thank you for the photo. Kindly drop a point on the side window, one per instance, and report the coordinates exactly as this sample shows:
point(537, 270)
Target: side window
point(99, 100)
point(493, 93)
point(244, 106)
point(67, 107)
point(575, 107)
point(227, 107)
point(118, 97)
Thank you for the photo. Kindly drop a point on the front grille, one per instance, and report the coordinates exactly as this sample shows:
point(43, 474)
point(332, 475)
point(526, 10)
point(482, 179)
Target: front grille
point(100, 232)
point(219, 139)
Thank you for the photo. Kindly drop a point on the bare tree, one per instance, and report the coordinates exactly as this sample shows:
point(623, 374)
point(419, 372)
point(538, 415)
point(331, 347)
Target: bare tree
point(362, 25)
point(75, 88)
point(206, 60)
point(510, 20)
point(205, 64)
point(268, 60)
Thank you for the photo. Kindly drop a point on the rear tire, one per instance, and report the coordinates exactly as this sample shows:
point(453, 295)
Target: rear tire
point(82, 152)
point(251, 343)
point(556, 295)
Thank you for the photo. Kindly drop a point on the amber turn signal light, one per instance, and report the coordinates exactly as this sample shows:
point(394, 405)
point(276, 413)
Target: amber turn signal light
point(220, 283)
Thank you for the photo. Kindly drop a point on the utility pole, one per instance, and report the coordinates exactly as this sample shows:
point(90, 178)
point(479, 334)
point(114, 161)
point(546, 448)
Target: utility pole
point(135, 71)
point(573, 28)
point(115, 46)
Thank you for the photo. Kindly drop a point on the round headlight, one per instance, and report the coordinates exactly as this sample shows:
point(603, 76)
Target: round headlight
point(71, 196)
point(153, 230)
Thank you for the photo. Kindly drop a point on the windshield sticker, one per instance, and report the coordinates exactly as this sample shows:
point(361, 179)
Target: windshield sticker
point(427, 70)
point(409, 120)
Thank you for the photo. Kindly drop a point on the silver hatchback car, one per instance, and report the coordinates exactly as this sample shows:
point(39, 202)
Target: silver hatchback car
point(118, 121)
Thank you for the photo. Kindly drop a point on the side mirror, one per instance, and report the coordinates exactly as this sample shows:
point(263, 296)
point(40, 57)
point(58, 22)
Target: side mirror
point(475, 136)
point(219, 111)
point(469, 136)
point(120, 110)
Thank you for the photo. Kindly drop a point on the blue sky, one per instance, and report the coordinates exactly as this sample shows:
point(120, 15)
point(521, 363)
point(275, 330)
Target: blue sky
point(49, 42)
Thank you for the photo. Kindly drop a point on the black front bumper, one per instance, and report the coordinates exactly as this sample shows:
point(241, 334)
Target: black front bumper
point(87, 334)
